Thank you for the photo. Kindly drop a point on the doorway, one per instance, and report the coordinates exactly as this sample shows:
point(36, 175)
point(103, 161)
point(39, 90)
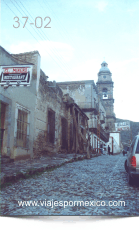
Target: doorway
point(64, 124)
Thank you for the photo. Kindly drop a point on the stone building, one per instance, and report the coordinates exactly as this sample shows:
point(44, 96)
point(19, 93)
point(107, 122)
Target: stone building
point(85, 94)
point(36, 118)
point(105, 92)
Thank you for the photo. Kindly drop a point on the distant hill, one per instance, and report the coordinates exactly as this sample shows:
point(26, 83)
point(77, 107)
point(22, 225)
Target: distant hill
point(127, 135)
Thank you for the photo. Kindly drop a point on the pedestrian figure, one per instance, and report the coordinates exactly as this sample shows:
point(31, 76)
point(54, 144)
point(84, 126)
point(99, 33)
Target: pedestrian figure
point(109, 149)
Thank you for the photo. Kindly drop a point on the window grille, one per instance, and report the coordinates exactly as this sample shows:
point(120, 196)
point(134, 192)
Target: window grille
point(22, 129)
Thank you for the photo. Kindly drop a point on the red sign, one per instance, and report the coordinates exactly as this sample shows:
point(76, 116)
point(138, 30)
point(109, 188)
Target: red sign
point(15, 70)
point(123, 128)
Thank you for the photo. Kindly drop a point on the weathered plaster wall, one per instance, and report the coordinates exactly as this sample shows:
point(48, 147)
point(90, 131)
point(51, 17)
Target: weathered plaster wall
point(83, 92)
point(49, 98)
point(25, 97)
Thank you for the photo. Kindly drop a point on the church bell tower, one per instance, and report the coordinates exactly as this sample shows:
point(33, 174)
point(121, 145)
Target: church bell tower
point(105, 91)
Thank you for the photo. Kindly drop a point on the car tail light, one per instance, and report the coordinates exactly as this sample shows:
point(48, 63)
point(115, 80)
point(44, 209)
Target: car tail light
point(133, 161)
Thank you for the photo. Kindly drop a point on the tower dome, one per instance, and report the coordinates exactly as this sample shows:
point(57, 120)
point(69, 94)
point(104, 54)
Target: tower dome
point(104, 72)
point(104, 67)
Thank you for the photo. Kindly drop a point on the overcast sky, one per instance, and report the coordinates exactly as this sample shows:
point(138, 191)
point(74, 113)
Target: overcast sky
point(83, 34)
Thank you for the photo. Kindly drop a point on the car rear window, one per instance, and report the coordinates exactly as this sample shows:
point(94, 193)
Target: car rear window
point(137, 149)
point(132, 145)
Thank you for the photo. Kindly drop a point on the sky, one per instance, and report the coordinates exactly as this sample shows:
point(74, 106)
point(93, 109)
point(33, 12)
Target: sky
point(82, 34)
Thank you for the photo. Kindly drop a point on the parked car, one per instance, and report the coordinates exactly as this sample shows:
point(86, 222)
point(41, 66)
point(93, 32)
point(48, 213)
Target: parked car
point(132, 161)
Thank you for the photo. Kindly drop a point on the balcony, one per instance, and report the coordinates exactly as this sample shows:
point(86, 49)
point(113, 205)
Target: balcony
point(93, 128)
point(88, 107)
point(103, 135)
point(92, 123)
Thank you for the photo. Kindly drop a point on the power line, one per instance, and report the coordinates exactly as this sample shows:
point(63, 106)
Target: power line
point(38, 34)
point(43, 35)
point(63, 29)
point(21, 22)
point(36, 38)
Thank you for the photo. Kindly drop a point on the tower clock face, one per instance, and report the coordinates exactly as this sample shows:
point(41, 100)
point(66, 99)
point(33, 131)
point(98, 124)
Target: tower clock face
point(104, 77)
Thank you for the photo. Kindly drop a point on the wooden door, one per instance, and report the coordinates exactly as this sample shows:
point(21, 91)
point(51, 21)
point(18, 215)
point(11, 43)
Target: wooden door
point(2, 122)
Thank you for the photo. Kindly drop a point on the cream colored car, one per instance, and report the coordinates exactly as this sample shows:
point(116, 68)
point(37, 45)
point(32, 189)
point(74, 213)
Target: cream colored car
point(132, 161)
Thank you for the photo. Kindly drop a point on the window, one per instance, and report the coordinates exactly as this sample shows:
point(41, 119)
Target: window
point(105, 93)
point(137, 149)
point(132, 145)
point(22, 129)
point(51, 126)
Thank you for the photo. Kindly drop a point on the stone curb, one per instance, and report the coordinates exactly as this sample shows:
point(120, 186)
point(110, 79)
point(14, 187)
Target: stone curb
point(24, 174)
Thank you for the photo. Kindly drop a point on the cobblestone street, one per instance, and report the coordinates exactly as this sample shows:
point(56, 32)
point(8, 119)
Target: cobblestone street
point(101, 178)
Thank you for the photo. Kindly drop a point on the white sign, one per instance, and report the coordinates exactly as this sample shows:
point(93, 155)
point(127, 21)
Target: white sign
point(120, 126)
point(15, 75)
